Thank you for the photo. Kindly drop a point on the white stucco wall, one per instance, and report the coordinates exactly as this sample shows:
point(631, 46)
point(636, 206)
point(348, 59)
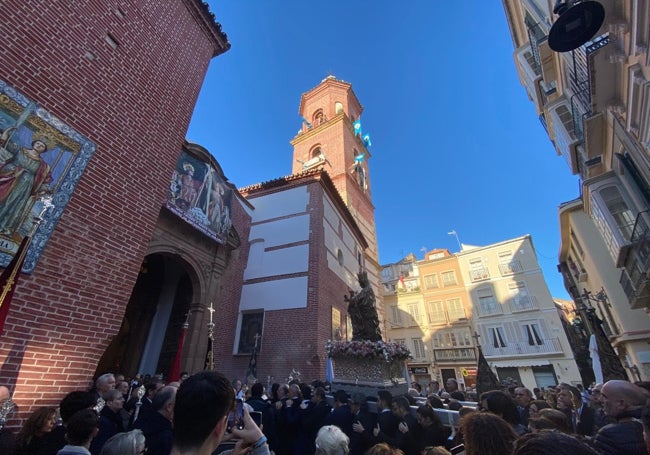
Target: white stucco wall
point(275, 295)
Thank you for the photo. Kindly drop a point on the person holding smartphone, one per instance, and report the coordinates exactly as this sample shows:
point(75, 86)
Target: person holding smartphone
point(203, 404)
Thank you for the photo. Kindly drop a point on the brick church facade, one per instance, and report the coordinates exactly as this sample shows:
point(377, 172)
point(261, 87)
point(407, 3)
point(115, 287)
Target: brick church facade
point(147, 233)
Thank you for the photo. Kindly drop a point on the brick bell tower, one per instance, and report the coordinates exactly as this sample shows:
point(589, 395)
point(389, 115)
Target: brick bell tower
point(328, 140)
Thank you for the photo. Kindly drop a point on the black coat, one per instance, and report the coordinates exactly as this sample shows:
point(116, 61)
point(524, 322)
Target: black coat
point(342, 418)
point(158, 433)
point(388, 424)
point(361, 442)
point(624, 438)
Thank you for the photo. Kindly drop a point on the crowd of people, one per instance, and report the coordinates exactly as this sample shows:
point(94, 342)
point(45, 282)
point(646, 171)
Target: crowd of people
point(196, 416)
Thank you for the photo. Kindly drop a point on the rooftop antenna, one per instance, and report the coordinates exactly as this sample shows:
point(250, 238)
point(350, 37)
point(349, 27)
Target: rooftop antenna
point(455, 234)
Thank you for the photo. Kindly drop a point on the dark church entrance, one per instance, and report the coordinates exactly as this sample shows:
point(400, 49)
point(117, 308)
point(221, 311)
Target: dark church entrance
point(158, 307)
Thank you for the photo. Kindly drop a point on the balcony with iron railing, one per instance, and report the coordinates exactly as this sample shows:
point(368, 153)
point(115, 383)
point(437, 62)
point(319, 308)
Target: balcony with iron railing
point(548, 346)
point(523, 303)
point(479, 274)
point(510, 268)
point(454, 355)
point(488, 308)
point(634, 276)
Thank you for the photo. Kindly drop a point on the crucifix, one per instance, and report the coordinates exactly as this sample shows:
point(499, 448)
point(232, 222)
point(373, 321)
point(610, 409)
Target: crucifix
point(256, 338)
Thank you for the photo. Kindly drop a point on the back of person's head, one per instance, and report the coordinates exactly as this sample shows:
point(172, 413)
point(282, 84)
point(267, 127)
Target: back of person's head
point(128, 443)
point(332, 441)
point(319, 393)
point(162, 397)
point(382, 448)
point(341, 396)
point(454, 405)
point(74, 402)
point(501, 404)
point(457, 395)
point(437, 450)
point(81, 426)
point(465, 410)
point(540, 404)
point(485, 433)
point(386, 397)
point(202, 401)
point(549, 441)
point(427, 412)
point(550, 419)
point(305, 390)
point(112, 394)
point(402, 403)
point(257, 390)
point(435, 402)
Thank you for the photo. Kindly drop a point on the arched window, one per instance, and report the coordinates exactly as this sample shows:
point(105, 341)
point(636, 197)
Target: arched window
point(338, 107)
point(318, 118)
point(316, 151)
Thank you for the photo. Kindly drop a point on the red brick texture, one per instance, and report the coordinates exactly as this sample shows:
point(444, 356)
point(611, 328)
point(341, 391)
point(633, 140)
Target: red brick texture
point(135, 102)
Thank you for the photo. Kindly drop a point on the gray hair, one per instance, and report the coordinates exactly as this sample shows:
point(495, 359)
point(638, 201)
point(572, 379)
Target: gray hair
point(332, 441)
point(103, 379)
point(129, 443)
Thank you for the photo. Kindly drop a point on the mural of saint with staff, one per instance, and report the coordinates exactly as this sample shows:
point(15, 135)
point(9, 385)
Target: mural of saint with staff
point(40, 155)
point(24, 176)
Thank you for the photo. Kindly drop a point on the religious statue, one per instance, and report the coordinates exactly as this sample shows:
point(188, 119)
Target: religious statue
point(362, 311)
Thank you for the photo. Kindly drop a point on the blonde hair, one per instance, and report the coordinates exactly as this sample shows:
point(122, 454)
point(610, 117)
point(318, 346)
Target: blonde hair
point(332, 441)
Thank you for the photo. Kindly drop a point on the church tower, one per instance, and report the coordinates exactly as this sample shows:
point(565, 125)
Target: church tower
point(331, 138)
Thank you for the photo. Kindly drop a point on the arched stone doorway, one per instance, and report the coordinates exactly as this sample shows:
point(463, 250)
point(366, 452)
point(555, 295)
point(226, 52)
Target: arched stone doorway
point(158, 307)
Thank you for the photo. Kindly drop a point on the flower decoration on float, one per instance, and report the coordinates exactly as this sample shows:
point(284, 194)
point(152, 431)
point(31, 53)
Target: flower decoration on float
point(389, 351)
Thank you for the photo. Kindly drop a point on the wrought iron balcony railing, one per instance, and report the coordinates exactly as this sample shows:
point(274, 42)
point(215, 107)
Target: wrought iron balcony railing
point(479, 274)
point(510, 268)
point(548, 346)
point(523, 303)
point(452, 355)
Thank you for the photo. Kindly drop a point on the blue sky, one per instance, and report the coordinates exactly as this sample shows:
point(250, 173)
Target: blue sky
point(456, 144)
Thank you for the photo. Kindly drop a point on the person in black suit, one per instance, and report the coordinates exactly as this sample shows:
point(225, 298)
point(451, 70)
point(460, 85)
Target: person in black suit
point(408, 429)
point(523, 397)
point(341, 416)
point(387, 422)
point(313, 417)
point(581, 417)
point(363, 423)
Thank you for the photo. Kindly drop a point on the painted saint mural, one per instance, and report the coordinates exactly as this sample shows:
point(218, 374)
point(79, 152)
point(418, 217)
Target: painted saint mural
point(39, 156)
point(199, 195)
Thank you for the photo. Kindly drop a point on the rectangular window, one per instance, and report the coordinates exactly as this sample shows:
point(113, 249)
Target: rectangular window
point(414, 311)
point(431, 281)
point(487, 303)
point(532, 334)
point(396, 316)
point(508, 265)
point(449, 278)
point(477, 270)
point(497, 337)
point(451, 336)
point(418, 348)
point(401, 341)
point(436, 312)
point(436, 340)
point(455, 309)
point(519, 296)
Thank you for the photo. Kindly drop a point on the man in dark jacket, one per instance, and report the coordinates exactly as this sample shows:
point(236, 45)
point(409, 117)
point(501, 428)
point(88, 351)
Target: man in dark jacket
point(363, 423)
point(110, 421)
point(623, 401)
point(259, 404)
point(387, 422)
point(408, 428)
point(157, 425)
point(341, 416)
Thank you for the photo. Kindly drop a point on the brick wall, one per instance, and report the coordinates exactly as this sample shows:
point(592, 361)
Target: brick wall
point(135, 102)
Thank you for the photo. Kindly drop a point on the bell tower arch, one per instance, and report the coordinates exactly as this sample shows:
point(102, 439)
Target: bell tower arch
point(330, 138)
